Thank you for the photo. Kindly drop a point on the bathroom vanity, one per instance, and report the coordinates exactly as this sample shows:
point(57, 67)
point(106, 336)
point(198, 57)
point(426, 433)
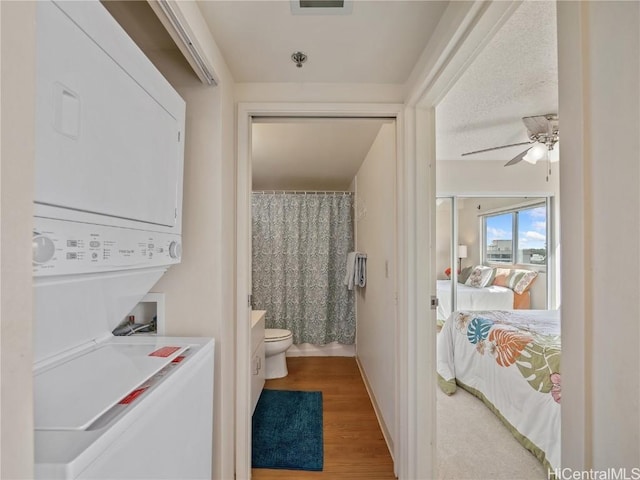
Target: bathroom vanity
point(257, 356)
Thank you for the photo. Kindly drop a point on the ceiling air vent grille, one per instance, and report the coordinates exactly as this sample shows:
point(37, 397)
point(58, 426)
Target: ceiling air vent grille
point(321, 3)
point(321, 7)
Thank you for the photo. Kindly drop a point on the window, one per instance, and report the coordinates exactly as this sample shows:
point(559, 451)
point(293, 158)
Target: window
point(522, 230)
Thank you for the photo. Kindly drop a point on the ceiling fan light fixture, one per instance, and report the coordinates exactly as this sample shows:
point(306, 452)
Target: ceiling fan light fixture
point(554, 154)
point(537, 152)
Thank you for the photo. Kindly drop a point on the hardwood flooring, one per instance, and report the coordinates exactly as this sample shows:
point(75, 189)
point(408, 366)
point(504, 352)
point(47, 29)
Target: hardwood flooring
point(353, 443)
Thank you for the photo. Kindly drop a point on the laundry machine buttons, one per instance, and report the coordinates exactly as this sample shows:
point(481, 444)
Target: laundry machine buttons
point(43, 249)
point(175, 250)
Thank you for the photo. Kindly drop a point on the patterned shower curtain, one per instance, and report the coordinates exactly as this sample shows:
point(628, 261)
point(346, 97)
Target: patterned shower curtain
point(300, 246)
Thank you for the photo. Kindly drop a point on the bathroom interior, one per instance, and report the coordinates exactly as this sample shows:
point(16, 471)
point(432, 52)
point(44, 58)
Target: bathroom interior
point(324, 187)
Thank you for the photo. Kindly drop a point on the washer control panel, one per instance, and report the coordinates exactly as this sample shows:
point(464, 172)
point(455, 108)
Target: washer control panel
point(62, 247)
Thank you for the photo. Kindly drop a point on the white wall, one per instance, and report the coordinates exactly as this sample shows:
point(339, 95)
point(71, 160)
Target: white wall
point(375, 304)
point(615, 233)
point(469, 177)
point(199, 292)
point(17, 86)
point(318, 92)
point(599, 65)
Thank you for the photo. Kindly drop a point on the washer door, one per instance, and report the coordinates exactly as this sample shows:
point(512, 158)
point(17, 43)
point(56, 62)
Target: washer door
point(72, 395)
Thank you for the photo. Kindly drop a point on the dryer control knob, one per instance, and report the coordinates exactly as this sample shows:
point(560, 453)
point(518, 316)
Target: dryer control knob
point(175, 250)
point(43, 249)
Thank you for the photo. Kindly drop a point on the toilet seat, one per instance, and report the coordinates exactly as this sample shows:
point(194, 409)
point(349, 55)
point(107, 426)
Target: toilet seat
point(276, 334)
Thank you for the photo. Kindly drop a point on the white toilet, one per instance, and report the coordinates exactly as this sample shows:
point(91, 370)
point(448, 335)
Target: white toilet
point(276, 343)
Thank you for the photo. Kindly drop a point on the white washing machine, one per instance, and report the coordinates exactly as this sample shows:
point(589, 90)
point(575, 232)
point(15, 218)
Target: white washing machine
point(107, 226)
point(111, 407)
point(129, 407)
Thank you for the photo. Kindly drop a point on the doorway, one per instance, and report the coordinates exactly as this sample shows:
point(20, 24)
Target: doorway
point(501, 234)
point(274, 113)
point(479, 129)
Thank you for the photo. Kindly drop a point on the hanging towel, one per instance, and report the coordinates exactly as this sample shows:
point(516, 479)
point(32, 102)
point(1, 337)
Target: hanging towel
point(351, 265)
point(361, 270)
point(356, 270)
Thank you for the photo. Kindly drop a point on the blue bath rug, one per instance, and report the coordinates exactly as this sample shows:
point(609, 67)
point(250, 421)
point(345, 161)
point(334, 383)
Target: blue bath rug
point(287, 431)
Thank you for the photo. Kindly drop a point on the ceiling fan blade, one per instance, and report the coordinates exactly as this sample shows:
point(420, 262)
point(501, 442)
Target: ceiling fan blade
point(541, 124)
point(536, 125)
point(518, 158)
point(495, 148)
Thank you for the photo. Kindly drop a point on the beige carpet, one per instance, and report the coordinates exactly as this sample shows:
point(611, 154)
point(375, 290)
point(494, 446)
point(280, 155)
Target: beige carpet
point(474, 444)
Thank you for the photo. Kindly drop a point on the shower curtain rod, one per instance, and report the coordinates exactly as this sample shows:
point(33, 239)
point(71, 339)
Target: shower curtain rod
point(321, 192)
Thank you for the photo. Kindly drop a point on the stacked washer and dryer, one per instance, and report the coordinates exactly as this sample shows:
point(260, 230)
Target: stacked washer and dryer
point(107, 226)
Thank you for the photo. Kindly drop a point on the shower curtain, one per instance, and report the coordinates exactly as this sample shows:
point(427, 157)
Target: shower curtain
point(300, 246)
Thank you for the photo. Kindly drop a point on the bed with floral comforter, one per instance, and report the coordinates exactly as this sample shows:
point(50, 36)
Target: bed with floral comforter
point(510, 360)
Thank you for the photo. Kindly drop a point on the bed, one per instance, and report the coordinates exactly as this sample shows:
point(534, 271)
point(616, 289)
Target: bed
point(492, 297)
point(511, 361)
point(486, 288)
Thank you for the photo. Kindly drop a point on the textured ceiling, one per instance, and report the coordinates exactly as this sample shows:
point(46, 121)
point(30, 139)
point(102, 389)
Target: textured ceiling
point(378, 42)
point(515, 76)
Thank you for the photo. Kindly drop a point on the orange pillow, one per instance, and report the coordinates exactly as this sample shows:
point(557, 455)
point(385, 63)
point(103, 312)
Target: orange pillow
point(502, 277)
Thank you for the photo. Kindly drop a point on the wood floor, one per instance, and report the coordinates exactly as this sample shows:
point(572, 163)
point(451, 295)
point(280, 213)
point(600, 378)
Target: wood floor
point(353, 443)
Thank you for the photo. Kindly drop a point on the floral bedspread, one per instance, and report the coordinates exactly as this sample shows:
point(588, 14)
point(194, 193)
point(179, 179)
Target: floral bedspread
point(511, 360)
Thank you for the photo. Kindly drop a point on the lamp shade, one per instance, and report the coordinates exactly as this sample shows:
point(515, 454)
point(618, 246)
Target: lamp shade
point(535, 153)
point(462, 251)
point(554, 153)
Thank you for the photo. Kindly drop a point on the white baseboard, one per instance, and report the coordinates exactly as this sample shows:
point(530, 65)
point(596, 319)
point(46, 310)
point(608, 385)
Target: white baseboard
point(334, 349)
point(376, 409)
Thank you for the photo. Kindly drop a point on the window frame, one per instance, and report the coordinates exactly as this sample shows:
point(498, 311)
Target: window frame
point(514, 210)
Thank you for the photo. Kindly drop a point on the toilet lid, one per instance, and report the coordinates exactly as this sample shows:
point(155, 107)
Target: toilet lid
point(275, 334)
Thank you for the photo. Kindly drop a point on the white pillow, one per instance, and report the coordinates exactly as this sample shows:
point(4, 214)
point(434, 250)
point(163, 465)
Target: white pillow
point(480, 277)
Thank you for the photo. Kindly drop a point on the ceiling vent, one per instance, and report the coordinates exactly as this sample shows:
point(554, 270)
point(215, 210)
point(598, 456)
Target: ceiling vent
point(321, 3)
point(321, 7)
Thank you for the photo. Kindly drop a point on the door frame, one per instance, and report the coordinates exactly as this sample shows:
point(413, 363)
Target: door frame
point(246, 113)
point(466, 29)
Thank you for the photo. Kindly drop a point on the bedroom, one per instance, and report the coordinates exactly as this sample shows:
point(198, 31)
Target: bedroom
point(501, 219)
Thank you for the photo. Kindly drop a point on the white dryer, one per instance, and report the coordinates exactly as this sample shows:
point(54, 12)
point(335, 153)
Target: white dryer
point(107, 226)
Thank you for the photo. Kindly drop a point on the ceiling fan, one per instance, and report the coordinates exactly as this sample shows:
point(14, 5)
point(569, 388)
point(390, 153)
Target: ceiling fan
point(543, 135)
